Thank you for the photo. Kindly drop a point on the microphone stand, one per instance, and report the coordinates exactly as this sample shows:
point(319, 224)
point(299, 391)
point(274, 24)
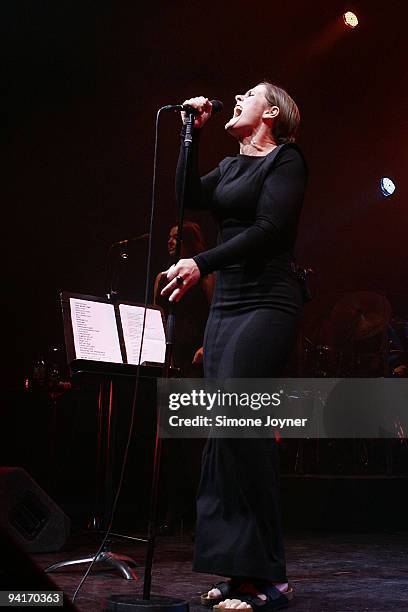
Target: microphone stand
point(161, 604)
point(171, 317)
point(112, 272)
point(170, 327)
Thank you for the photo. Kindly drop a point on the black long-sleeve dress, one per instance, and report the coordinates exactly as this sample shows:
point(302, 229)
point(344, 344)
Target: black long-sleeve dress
point(250, 332)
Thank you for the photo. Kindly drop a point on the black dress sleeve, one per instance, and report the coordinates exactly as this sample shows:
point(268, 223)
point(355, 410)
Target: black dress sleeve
point(199, 191)
point(278, 206)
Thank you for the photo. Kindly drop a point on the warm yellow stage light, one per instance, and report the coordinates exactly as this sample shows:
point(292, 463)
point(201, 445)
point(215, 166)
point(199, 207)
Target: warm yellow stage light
point(350, 19)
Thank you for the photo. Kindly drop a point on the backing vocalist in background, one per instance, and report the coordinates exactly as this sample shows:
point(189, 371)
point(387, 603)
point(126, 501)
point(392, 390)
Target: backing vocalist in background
point(192, 314)
point(254, 318)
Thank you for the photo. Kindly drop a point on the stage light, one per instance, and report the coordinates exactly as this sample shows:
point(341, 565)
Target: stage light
point(387, 186)
point(350, 19)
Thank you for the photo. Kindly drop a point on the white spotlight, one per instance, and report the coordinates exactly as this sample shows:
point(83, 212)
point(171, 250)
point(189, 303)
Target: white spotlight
point(350, 19)
point(387, 186)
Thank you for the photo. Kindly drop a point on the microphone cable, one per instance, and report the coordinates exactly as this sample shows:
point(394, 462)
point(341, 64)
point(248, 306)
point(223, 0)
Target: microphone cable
point(136, 387)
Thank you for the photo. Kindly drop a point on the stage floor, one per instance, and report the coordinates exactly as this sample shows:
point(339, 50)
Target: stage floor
point(333, 572)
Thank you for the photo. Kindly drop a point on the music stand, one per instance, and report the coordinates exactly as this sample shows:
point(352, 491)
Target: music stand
point(85, 323)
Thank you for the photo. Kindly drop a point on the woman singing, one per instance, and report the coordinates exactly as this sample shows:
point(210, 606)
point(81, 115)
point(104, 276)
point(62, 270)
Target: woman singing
point(254, 318)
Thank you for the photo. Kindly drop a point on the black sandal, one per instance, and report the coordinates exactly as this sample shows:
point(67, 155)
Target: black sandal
point(225, 587)
point(275, 600)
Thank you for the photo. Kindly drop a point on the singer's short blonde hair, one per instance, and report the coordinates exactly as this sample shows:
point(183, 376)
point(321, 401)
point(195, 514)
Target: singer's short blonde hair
point(286, 123)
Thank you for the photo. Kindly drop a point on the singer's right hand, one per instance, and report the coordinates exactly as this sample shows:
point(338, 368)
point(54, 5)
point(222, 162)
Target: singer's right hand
point(203, 105)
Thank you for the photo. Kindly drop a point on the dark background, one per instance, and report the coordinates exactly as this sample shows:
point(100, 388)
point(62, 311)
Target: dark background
point(82, 83)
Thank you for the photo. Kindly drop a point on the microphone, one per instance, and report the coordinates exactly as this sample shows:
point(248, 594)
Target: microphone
point(217, 107)
point(141, 237)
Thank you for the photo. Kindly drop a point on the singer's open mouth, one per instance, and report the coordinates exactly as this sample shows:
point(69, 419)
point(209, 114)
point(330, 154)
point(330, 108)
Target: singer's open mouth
point(237, 111)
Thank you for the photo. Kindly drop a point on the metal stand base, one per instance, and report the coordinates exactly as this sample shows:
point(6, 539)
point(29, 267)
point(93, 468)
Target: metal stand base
point(119, 562)
point(128, 603)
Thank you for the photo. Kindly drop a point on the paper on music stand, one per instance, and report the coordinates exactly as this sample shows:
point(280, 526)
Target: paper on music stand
point(95, 332)
point(154, 342)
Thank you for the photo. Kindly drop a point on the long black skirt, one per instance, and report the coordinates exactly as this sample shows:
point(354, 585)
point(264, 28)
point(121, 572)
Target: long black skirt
point(251, 331)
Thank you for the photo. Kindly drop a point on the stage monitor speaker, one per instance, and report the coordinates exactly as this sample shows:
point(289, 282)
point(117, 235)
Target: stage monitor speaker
point(32, 518)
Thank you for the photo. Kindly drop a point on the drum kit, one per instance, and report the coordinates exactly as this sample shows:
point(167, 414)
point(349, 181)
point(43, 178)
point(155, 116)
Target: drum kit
point(356, 337)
